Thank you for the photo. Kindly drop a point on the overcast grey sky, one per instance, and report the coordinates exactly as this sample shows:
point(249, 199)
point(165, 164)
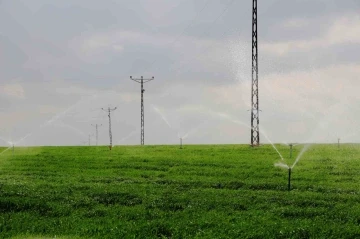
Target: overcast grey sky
point(62, 61)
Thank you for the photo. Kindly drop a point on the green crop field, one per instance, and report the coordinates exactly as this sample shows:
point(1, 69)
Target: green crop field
point(200, 191)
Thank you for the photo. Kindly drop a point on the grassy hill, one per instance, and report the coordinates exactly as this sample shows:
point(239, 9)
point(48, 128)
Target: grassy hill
point(200, 191)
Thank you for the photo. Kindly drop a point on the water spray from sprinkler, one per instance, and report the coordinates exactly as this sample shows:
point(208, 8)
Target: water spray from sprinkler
point(162, 115)
point(194, 130)
point(289, 168)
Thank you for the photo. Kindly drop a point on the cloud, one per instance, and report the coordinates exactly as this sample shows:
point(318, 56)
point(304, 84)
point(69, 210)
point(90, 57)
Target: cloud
point(296, 23)
point(48, 109)
point(299, 101)
point(118, 48)
point(13, 90)
point(308, 67)
point(101, 41)
point(343, 30)
point(75, 90)
point(102, 96)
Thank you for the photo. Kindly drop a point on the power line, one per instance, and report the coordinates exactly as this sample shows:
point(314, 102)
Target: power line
point(109, 115)
point(142, 81)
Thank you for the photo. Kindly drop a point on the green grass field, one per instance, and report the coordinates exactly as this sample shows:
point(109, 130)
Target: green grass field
point(201, 191)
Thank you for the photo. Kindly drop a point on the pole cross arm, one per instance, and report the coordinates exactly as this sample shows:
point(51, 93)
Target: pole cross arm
point(108, 109)
point(139, 80)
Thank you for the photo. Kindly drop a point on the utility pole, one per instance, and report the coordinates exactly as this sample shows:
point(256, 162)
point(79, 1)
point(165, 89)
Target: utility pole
point(255, 133)
point(109, 115)
point(97, 133)
point(142, 81)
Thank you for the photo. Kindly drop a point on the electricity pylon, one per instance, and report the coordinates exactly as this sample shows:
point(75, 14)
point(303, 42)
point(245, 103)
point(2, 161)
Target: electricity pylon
point(109, 115)
point(89, 139)
point(255, 132)
point(97, 133)
point(142, 81)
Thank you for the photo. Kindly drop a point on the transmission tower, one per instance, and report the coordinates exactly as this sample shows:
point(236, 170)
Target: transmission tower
point(109, 115)
point(89, 139)
point(142, 81)
point(97, 133)
point(255, 134)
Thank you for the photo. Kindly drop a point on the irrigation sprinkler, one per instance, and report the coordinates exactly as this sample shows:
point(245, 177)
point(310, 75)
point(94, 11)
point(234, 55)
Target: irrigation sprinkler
point(288, 167)
point(338, 143)
point(180, 143)
point(291, 149)
point(13, 149)
point(289, 180)
point(285, 166)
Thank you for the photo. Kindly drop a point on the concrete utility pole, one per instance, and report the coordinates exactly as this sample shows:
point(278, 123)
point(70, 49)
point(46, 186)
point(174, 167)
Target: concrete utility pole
point(97, 133)
point(109, 115)
point(255, 131)
point(142, 81)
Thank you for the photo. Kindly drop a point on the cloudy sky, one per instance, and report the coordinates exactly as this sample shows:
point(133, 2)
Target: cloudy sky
point(62, 61)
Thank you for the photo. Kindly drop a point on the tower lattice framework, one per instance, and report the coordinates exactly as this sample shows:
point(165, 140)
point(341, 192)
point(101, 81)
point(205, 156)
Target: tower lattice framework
point(255, 133)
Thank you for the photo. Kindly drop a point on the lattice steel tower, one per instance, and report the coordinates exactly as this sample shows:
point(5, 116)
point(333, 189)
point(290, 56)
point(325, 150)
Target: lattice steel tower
point(142, 81)
point(255, 134)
